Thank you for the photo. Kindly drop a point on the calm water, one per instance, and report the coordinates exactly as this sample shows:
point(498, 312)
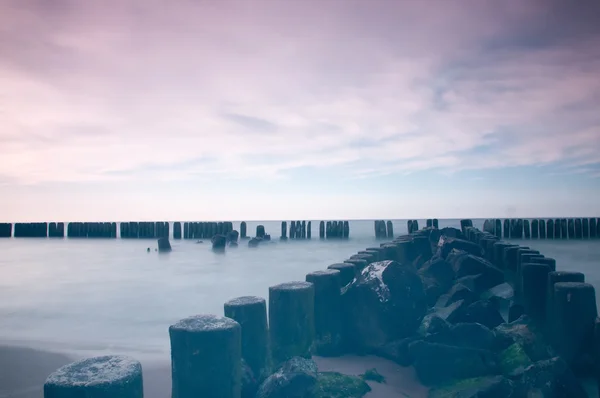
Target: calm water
point(88, 297)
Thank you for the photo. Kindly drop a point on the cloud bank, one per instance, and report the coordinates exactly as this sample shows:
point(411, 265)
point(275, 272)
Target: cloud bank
point(115, 90)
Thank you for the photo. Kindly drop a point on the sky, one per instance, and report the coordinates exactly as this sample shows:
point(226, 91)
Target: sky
point(300, 109)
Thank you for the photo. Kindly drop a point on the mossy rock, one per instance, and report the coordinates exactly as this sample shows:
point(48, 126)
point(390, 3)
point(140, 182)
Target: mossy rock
point(488, 386)
point(513, 359)
point(373, 375)
point(337, 385)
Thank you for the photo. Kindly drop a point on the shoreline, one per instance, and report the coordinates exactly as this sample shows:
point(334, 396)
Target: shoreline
point(23, 371)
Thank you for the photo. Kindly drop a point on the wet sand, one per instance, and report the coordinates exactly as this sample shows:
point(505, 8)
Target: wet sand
point(24, 370)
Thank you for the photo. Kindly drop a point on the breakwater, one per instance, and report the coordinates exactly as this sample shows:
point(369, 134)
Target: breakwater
point(452, 293)
point(161, 229)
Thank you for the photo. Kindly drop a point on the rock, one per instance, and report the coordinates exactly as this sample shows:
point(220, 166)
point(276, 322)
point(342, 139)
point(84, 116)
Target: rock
point(397, 351)
point(164, 245)
point(483, 312)
point(439, 270)
point(432, 324)
point(451, 232)
point(513, 360)
point(233, 244)
point(446, 245)
point(219, 242)
point(249, 382)
point(479, 387)
point(386, 302)
point(470, 335)
point(439, 363)
point(433, 290)
point(254, 242)
point(480, 283)
point(472, 265)
point(456, 293)
point(337, 385)
point(296, 378)
point(550, 378)
point(522, 332)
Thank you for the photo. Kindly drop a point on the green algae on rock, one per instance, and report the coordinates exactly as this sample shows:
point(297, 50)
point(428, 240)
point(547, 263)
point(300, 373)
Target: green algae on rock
point(373, 375)
point(491, 386)
point(513, 359)
point(337, 385)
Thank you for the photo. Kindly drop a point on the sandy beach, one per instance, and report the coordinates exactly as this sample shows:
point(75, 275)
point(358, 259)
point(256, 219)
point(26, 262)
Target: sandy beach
point(24, 370)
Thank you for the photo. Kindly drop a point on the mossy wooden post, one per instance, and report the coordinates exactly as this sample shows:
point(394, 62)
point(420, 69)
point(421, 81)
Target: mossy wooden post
point(534, 277)
point(578, 229)
point(575, 312)
point(309, 230)
point(251, 313)
point(328, 309)
point(206, 357)
point(113, 376)
point(555, 277)
point(243, 230)
point(283, 230)
point(390, 230)
point(291, 320)
point(585, 228)
point(506, 229)
point(347, 272)
point(593, 232)
point(436, 223)
point(321, 229)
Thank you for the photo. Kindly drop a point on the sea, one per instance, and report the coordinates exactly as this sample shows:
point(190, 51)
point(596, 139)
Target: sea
point(88, 297)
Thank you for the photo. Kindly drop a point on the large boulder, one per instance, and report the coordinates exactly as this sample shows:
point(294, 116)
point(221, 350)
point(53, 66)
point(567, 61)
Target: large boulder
point(473, 265)
point(470, 335)
point(386, 302)
point(439, 270)
point(440, 363)
point(254, 242)
point(296, 378)
point(397, 351)
point(451, 232)
point(479, 283)
point(446, 245)
point(233, 236)
point(483, 312)
point(456, 293)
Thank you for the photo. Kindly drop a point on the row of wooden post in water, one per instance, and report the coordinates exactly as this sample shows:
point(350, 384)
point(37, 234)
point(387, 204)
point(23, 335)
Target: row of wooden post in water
point(161, 229)
point(558, 228)
point(385, 229)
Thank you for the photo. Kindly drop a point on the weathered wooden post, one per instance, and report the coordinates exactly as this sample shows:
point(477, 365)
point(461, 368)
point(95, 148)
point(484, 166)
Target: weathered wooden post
point(303, 230)
point(206, 357)
point(534, 278)
point(558, 229)
point(498, 228)
point(542, 229)
point(112, 376)
point(534, 229)
point(177, 230)
point(526, 230)
point(390, 229)
point(260, 231)
point(347, 272)
point(585, 228)
point(555, 277)
point(429, 223)
point(322, 229)
point(550, 229)
point(436, 224)
point(409, 226)
point(593, 232)
point(291, 320)
point(243, 230)
point(251, 313)
point(564, 229)
point(506, 229)
point(578, 229)
point(328, 309)
point(283, 230)
point(293, 230)
point(308, 230)
point(575, 311)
